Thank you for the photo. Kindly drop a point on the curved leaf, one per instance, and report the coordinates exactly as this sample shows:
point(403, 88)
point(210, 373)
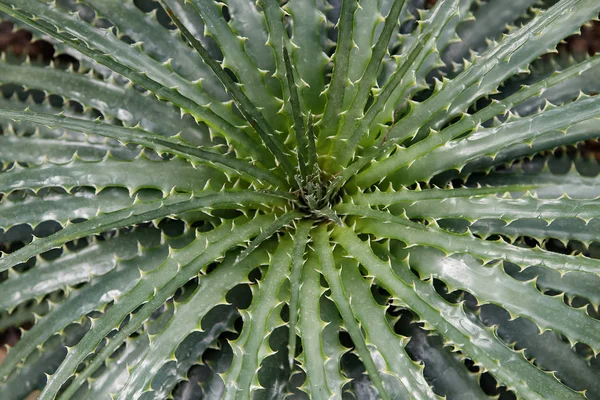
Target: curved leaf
point(162, 92)
point(98, 258)
point(321, 348)
point(211, 291)
point(259, 322)
point(372, 318)
point(175, 174)
point(334, 93)
point(139, 212)
point(489, 283)
point(333, 276)
point(151, 291)
point(138, 136)
point(476, 341)
point(158, 42)
point(114, 100)
point(489, 69)
point(385, 225)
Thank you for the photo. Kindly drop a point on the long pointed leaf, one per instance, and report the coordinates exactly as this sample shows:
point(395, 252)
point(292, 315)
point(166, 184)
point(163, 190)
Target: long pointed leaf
point(489, 69)
point(259, 322)
point(489, 283)
point(139, 212)
point(409, 375)
point(152, 291)
point(211, 291)
point(386, 225)
point(139, 136)
point(162, 92)
point(405, 156)
point(336, 89)
point(298, 260)
point(246, 107)
point(451, 320)
point(332, 275)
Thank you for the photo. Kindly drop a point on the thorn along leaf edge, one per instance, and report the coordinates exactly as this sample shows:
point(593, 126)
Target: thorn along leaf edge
point(307, 199)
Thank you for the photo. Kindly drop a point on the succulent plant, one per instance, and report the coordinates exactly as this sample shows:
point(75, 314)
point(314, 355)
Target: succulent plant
point(300, 199)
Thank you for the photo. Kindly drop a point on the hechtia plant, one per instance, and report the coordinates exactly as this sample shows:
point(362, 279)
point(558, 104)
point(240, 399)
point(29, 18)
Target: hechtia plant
point(300, 199)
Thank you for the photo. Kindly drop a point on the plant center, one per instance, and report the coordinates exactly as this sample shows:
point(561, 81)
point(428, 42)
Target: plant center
point(315, 200)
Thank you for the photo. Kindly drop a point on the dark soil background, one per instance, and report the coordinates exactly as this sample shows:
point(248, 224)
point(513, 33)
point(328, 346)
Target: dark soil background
point(19, 42)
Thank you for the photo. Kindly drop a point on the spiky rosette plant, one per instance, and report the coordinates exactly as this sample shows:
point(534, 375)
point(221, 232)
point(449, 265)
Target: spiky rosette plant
point(302, 198)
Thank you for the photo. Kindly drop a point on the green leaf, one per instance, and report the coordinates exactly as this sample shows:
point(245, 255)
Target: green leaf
point(278, 40)
point(355, 121)
point(196, 25)
point(137, 213)
point(295, 278)
point(546, 184)
point(158, 43)
point(60, 149)
point(270, 138)
point(308, 28)
point(210, 292)
point(479, 343)
point(489, 141)
point(180, 100)
point(99, 292)
point(103, 41)
point(141, 173)
point(503, 208)
point(61, 207)
point(237, 60)
point(148, 139)
point(114, 100)
point(434, 35)
point(385, 225)
point(32, 373)
point(279, 223)
point(546, 349)
point(73, 267)
point(366, 58)
point(436, 32)
point(572, 283)
point(332, 274)
point(218, 321)
point(151, 291)
point(563, 229)
point(410, 197)
point(252, 346)
point(116, 372)
point(404, 157)
point(389, 346)
point(307, 154)
point(564, 92)
point(335, 91)
point(439, 360)
point(368, 37)
point(489, 69)
point(490, 284)
point(524, 153)
point(248, 22)
point(518, 215)
point(431, 62)
point(490, 21)
point(321, 349)
point(23, 314)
